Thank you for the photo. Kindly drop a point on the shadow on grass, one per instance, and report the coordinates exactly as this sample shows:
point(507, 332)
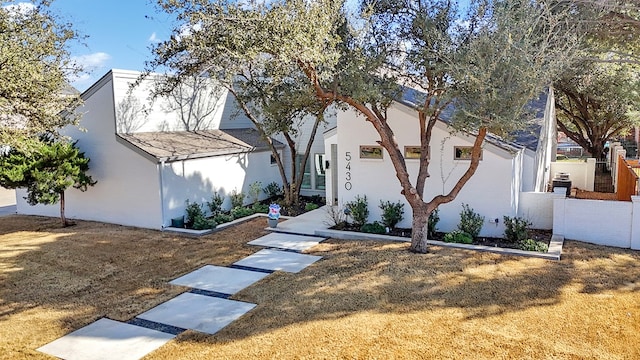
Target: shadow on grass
point(94, 270)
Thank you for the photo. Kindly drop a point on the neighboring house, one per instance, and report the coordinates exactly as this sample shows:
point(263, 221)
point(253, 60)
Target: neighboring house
point(361, 167)
point(148, 165)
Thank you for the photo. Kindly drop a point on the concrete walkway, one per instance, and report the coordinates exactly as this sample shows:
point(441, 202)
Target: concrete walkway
point(206, 307)
point(307, 223)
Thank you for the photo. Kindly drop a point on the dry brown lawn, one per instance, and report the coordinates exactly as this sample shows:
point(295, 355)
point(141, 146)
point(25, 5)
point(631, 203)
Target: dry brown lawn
point(364, 300)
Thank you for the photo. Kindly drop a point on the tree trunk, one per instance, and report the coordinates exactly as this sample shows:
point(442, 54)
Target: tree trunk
point(419, 230)
point(62, 216)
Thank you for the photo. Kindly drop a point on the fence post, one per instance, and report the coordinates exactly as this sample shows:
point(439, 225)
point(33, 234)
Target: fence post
point(591, 174)
point(635, 223)
point(559, 200)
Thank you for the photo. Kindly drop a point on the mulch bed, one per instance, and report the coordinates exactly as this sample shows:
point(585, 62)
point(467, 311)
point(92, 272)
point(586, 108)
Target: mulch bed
point(535, 234)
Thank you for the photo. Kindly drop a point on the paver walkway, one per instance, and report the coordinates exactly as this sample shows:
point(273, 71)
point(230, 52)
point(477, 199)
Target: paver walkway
point(206, 308)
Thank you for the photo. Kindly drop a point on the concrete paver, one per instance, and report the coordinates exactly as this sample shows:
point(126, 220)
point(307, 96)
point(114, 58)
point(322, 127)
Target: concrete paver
point(219, 279)
point(278, 260)
point(107, 339)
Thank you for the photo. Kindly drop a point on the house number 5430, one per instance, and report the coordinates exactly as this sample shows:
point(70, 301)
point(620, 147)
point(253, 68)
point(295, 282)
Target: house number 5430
point(347, 183)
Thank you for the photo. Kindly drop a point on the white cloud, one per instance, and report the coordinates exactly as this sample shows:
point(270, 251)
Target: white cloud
point(22, 8)
point(92, 61)
point(154, 38)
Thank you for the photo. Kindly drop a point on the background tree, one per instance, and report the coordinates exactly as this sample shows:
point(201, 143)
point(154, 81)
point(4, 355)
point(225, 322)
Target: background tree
point(35, 68)
point(595, 104)
point(501, 56)
point(46, 172)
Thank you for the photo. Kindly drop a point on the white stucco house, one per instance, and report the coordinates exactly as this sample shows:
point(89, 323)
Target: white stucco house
point(502, 185)
point(147, 164)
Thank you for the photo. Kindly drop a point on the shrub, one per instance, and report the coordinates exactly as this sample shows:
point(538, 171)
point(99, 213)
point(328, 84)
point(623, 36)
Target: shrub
point(391, 213)
point(215, 204)
point(201, 223)
point(516, 229)
point(310, 206)
point(260, 208)
point(222, 218)
point(237, 199)
point(273, 190)
point(255, 189)
point(470, 221)
point(240, 212)
point(533, 245)
point(458, 236)
point(434, 217)
point(335, 216)
point(194, 211)
point(373, 228)
point(358, 210)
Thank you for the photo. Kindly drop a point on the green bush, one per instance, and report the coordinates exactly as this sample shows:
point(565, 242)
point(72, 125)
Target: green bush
point(533, 245)
point(215, 204)
point(255, 189)
point(194, 211)
point(260, 208)
point(273, 190)
point(373, 228)
point(201, 223)
point(359, 210)
point(240, 212)
point(310, 206)
point(434, 217)
point(458, 236)
point(237, 199)
point(470, 221)
point(392, 213)
point(222, 218)
point(516, 229)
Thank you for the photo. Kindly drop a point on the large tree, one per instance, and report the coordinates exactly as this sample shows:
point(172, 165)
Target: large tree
point(47, 170)
point(596, 103)
point(489, 65)
point(227, 42)
point(35, 69)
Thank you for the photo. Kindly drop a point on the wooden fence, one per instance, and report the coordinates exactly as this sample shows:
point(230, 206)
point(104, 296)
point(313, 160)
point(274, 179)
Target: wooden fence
point(627, 180)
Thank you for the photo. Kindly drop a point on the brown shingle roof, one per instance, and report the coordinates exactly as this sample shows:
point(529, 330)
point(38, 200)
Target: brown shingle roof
point(180, 145)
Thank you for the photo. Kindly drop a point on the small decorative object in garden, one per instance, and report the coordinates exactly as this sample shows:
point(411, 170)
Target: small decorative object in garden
point(274, 215)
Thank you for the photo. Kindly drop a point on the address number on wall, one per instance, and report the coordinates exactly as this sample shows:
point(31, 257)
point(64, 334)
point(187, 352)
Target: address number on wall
point(347, 183)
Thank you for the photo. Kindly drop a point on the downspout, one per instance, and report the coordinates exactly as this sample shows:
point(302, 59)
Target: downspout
point(161, 179)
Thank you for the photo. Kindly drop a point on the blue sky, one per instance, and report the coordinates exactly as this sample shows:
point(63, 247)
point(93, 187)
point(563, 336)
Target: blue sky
point(119, 32)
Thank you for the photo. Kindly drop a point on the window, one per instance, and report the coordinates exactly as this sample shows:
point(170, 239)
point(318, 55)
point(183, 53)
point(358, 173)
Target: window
point(370, 152)
point(320, 170)
point(273, 159)
point(463, 153)
point(413, 152)
point(306, 178)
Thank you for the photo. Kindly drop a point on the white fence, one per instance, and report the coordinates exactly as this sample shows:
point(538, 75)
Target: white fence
point(612, 223)
point(537, 208)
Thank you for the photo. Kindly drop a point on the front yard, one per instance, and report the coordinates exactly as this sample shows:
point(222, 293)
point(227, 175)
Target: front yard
point(364, 299)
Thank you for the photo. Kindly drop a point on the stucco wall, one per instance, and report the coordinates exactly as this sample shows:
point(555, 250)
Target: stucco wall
point(596, 221)
point(582, 174)
point(489, 192)
point(127, 191)
point(537, 208)
point(196, 180)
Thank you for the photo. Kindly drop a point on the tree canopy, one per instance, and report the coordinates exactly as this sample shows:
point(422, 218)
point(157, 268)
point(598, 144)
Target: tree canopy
point(35, 70)
point(489, 63)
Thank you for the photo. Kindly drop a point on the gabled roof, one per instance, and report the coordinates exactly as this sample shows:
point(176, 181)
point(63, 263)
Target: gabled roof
point(527, 138)
point(182, 145)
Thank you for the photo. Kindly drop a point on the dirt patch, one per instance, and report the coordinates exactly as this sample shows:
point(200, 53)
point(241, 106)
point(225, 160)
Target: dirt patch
point(364, 299)
point(583, 194)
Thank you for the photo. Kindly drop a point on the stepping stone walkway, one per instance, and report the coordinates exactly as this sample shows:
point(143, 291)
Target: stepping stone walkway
point(206, 308)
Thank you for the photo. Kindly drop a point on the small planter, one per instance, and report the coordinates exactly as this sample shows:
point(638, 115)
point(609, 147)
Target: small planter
point(272, 222)
point(177, 222)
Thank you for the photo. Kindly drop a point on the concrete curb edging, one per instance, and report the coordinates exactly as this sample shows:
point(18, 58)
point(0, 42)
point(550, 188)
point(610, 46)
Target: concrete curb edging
point(554, 252)
point(198, 233)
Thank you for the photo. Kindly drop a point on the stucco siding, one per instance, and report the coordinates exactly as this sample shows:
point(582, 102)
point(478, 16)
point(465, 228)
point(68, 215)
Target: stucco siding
point(488, 192)
point(127, 191)
point(196, 180)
